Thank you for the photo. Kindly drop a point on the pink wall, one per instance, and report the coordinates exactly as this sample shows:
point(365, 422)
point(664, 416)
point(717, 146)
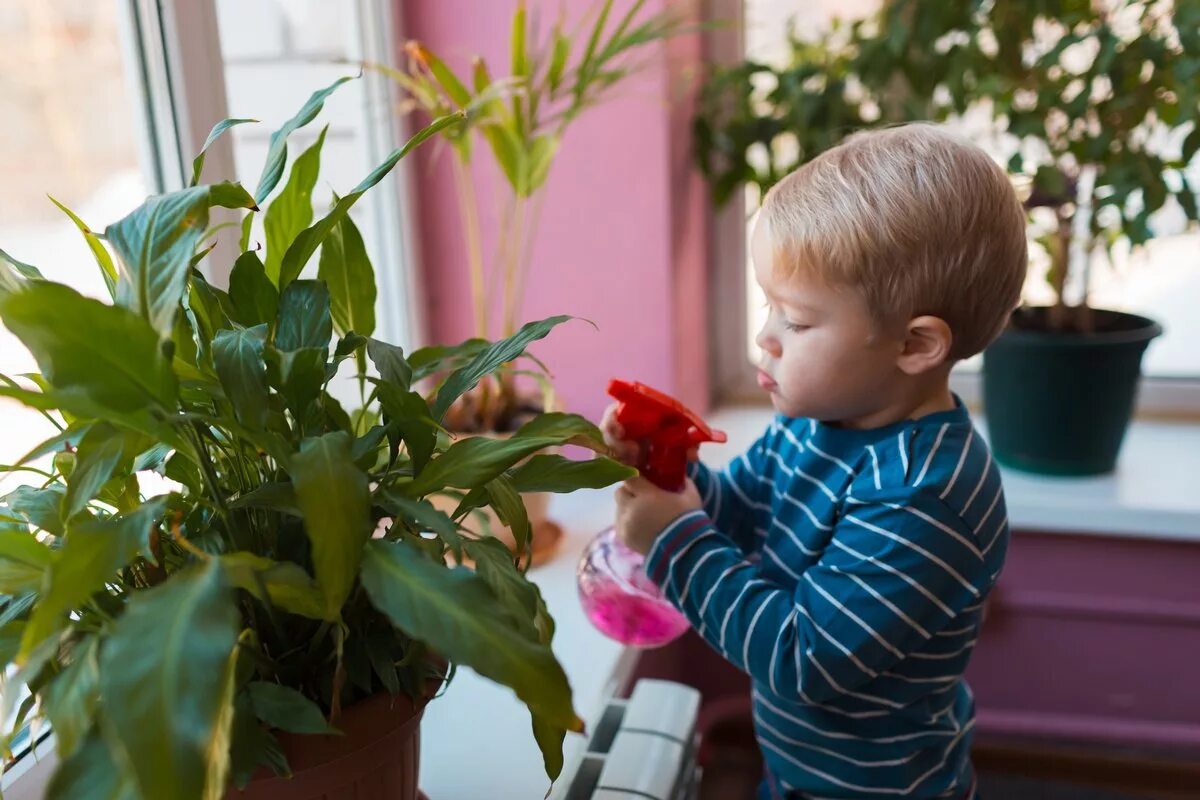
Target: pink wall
point(622, 238)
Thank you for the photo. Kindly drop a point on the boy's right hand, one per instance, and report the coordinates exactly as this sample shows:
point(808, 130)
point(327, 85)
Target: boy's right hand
point(627, 451)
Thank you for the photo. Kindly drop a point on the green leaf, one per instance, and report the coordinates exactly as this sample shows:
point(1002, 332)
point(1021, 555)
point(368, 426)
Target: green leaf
point(277, 150)
point(91, 773)
point(449, 82)
point(429, 360)
point(569, 428)
point(70, 700)
point(23, 562)
point(298, 375)
point(57, 443)
point(310, 239)
point(541, 156)
point(408, 419)
point(347, 270)
point(276, 496)
point(238, 358)
point(553, 473)
point(286, 585)
point(287, 709)
point(214, 134)
point(22, 270)
point(421, 516)
point(520, 598)
point(454, 612)
point(474, 461)
point(42, 507)
point(166, 676)
point(549, 739)
point(253, 745)
point(558, 58)
point(77, 403)
point(92, 553)
point(509, 507)
point(102, 449)
point(333, 497)
point(292, 211)
point(255, 298)
point(491, 359)
point(389, 360)
point(107, 354)
point(304, 319)
point(108, 270)
point(155, 244)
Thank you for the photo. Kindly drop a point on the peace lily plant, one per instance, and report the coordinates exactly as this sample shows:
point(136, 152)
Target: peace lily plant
point(294, 565)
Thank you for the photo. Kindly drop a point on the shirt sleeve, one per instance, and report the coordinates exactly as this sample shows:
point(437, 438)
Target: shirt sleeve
point(897, 570)
point(736, 497)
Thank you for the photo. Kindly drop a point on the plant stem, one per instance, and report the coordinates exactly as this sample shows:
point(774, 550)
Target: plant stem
point(469, 212)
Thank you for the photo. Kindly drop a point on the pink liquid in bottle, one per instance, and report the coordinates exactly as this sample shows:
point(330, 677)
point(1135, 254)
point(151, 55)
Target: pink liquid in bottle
point(619, 598)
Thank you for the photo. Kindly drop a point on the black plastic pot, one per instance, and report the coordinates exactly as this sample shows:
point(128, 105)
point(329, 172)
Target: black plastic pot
point(1058, 403)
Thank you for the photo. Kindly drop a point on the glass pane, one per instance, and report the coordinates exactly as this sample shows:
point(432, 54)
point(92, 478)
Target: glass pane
point(1161, 282)
point(70, 130)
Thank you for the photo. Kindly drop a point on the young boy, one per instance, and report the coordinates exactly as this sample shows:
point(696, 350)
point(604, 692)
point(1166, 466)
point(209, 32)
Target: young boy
point(843, 561)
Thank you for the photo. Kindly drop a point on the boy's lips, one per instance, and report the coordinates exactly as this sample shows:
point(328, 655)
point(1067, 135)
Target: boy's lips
point(766, 382)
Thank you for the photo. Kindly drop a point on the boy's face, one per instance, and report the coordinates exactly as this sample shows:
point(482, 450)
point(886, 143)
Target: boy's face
point(822, 357)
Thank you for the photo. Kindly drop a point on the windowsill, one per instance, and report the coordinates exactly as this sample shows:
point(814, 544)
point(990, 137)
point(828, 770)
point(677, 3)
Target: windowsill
point(1153, 493)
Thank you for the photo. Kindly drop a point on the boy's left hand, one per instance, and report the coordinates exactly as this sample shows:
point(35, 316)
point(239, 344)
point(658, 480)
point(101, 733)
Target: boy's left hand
point(643, 510)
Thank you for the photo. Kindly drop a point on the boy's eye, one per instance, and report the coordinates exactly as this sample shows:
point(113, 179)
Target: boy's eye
point(796, 327)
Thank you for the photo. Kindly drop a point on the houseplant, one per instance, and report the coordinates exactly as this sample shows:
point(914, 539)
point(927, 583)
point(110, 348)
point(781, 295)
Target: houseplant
point(521, 121)
point(1088, 99)
point(291, 575)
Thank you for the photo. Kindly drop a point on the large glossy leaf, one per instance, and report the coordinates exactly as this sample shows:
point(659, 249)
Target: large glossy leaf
point(389, 360)
point(255, 298)
point(93, 551)
point(91, 774)
point(277, 150)
point(309, 240)
point(70, 700)
point(23, 562)
point(421, 515)
point(457, 615)
point(347, 270)
point(253, 745)
point(473, 462)
point(516, 595)
point(286, 585)
point(292, 210)
point(78, 403)
point(507, 503)
point(408, 419)
point(238, 358)
point(298, 375)
point(333, 497)
point(439, 358)
point(500, 353)
point(58, 442)
point(304, 318)
point(42, 507)
point(553, 473)
point(286, 709)
point(105, 353)
point(156, 243)
point(213, 135)
point(569, 428)
point(108, 270)
point(549, 738)
point(100, 452)
point(166, 676)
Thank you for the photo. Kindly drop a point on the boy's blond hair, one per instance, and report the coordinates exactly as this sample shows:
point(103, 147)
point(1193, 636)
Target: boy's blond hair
point(917, 219)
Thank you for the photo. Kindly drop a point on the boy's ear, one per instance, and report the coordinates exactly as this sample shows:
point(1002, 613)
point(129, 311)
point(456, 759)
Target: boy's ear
point(927, 345)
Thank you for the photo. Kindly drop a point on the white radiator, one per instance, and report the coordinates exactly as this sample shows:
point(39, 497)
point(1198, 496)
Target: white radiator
point(643, 748)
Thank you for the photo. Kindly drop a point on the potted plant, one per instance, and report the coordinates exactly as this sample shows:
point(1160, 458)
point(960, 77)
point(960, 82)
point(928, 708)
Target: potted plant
point(1089, 99)
point(520, 122)
point(223, 575)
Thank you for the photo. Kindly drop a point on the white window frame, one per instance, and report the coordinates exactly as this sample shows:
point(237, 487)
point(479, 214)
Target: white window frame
point(734, 381)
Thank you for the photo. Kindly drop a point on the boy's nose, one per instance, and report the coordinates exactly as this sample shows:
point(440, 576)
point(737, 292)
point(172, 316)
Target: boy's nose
point(767, 342)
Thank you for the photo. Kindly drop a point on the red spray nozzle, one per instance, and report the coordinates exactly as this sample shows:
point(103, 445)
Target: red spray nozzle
point(667, 429)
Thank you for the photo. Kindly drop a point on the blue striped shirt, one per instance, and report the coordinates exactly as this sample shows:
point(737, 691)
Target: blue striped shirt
point(845, 571)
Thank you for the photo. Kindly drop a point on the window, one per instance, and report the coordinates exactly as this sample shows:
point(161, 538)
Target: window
point(1161, 281)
